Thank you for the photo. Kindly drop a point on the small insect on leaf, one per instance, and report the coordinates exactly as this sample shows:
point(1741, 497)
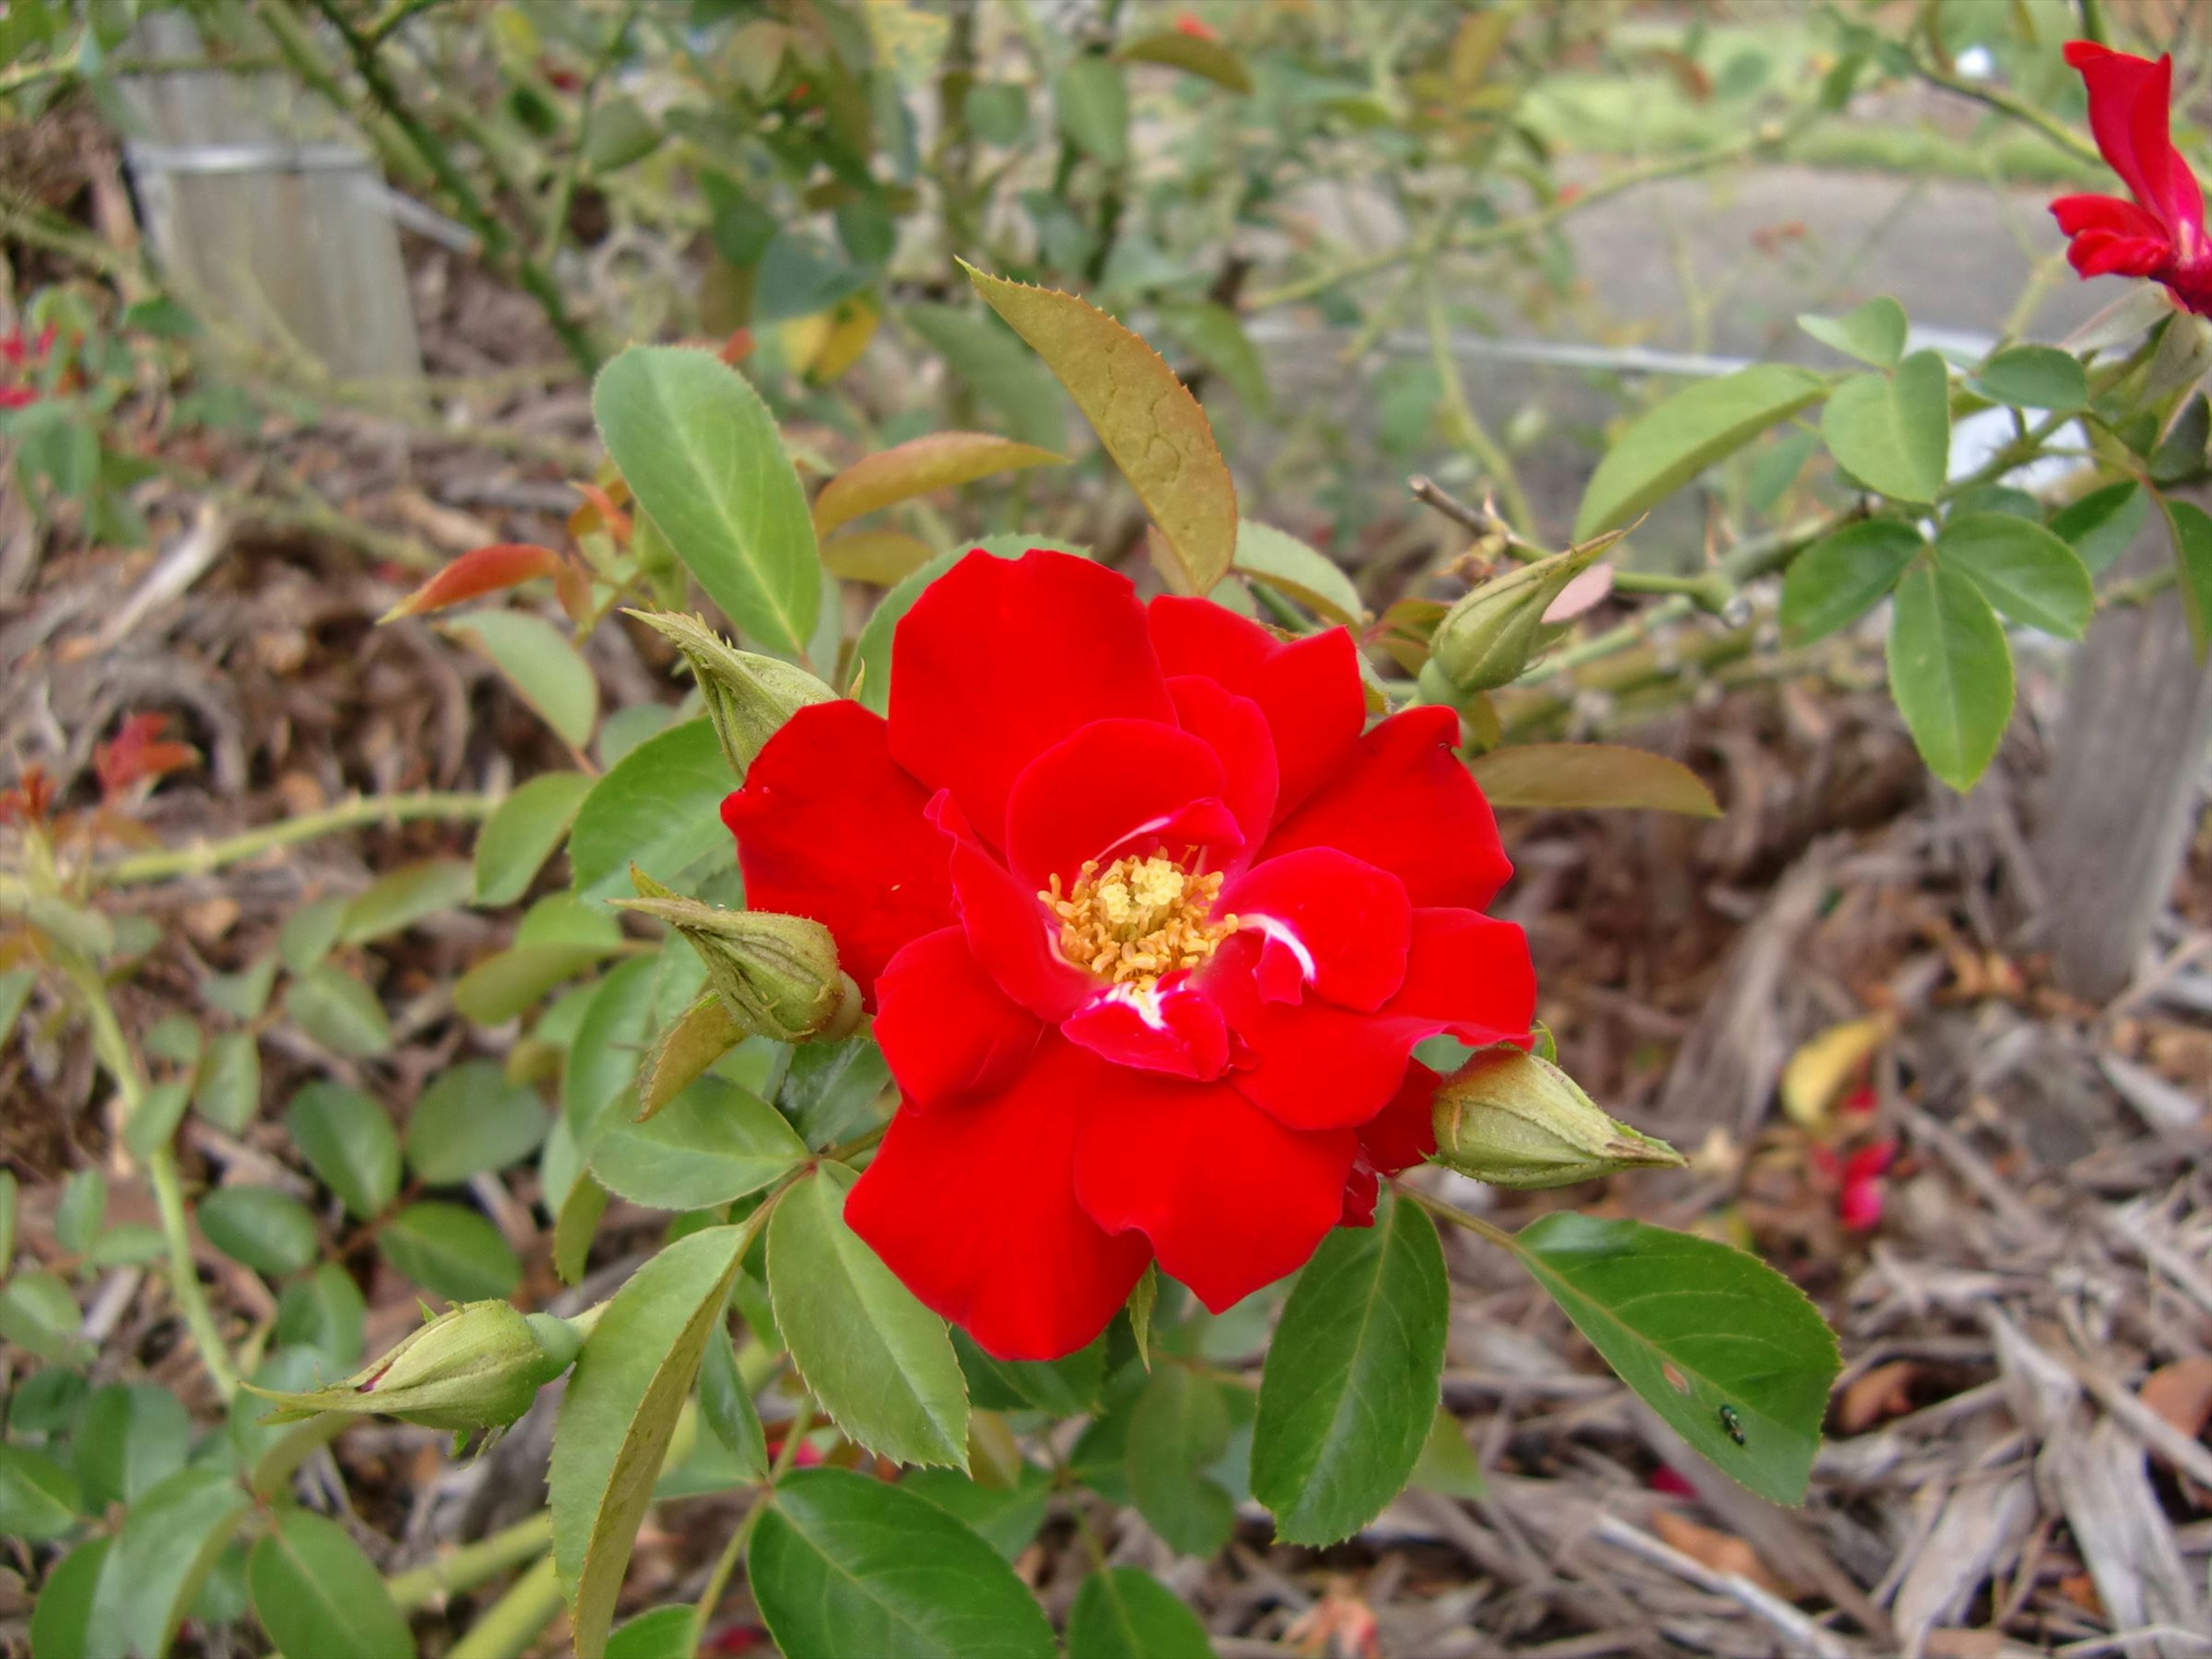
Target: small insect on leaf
point(1731, 1424)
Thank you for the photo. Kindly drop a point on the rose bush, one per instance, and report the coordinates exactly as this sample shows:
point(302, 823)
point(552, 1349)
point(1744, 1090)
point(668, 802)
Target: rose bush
point(1149, 929)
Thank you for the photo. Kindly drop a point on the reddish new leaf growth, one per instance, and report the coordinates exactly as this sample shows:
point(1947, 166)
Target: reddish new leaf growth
point(21, 360)
point(736, 348)
point(2161, 233)
point(1151, 926)
point(31, 801)
point(486, 570)
point(139, 751)
point(601, 509)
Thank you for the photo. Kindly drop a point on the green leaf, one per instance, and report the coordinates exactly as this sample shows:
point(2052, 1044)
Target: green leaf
point(1672, 442)
point(1124, 1613)
point(1287, 564)
point(244, 994)
point(1693, 1326)
point(38, 1312)
point(450, 1251)
point(878, 1360)
point(40, 1500)
point(659, 808)
point(470, 1121)
point(712, 1143)
point(397, 900)
point(501, 987)
point(1178, 1429)
point(727, 1404)
point(129, 1438)
point(167, 1546)
point(62, 1616)
point(2025, 571)
point(1216, 336)
point(1067, 1387)
point(339, 1011)
point(574, 1227)
point(843, 1565)
point(1950, 671)
point(621, 1406)
point(1844, 575)
point(830, 1090)
point(175, 1038)
point(1874, 333)
point(1892, 431)
point(994, 363)
point(15, 990)
point(545, 670)
point(8, 1205)
point(348, 1143)
point(631, 1004)
point(309, 932)
point(2034, 377)
point(228, 1094)
point(127, 1244)
point(1350, 1387)
point(1447, 1462)
point(523, 832)
point(938, 460)
point(1590, 775)
point(270, 1232)
point(1092, 102)
point(1148, 423)
point(2190, 528)
point(663, 1633)
point(324, 1311)
point(2100, 526)
point(316, 1593)
point(156, 1119)
point(701, 455)
point(78, 1211)
point(1007, 1518)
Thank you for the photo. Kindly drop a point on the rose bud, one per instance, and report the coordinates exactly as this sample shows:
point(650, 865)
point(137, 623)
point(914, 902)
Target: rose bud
point(475, 1366)
point(1487, 638)
point(777, 975)
point(1512, 1120)
point(748, 697)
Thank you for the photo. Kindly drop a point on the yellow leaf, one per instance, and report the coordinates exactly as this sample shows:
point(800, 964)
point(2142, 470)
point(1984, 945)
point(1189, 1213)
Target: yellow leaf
point(1572, 776)
point(1818, 1072)
point(1147, 420)
point(879, 557)
point(1191, 53)
point(916, 467)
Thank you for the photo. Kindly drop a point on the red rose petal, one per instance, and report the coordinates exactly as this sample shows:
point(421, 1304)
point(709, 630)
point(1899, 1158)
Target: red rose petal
point(1116, 787)
point(1000, 659)
point(1404, 802)
point(1318, 1067)
point(945, 1027)
point(1309, 689)
point(1177, 1029)
point(1009, 929)
point(973, 1206)
point(828, 828)
point(1236, 731)
point(1404, 1133)
point(1330, 920)
point(1231, 1199)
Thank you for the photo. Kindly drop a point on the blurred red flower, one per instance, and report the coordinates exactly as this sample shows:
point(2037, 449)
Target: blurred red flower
point(20, 361)
point(1151, 929)
point(2161, 233)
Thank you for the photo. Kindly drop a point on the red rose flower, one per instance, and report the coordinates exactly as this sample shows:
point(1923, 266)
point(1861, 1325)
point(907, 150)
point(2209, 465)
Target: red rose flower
point(1149, 928)
point(2161, 233)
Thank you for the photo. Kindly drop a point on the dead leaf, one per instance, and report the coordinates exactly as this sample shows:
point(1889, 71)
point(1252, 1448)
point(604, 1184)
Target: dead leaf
point(1884, 1392)
point(1724, 1551)
point(2181, 1394)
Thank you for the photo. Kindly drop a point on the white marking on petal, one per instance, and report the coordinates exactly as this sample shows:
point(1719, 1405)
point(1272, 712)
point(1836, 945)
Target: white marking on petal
point(1280, 930)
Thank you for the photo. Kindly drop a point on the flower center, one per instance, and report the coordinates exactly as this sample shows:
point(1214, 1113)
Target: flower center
point(1139, 919)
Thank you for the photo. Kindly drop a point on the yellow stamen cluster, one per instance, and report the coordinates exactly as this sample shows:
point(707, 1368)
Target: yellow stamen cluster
point(1139, 919)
